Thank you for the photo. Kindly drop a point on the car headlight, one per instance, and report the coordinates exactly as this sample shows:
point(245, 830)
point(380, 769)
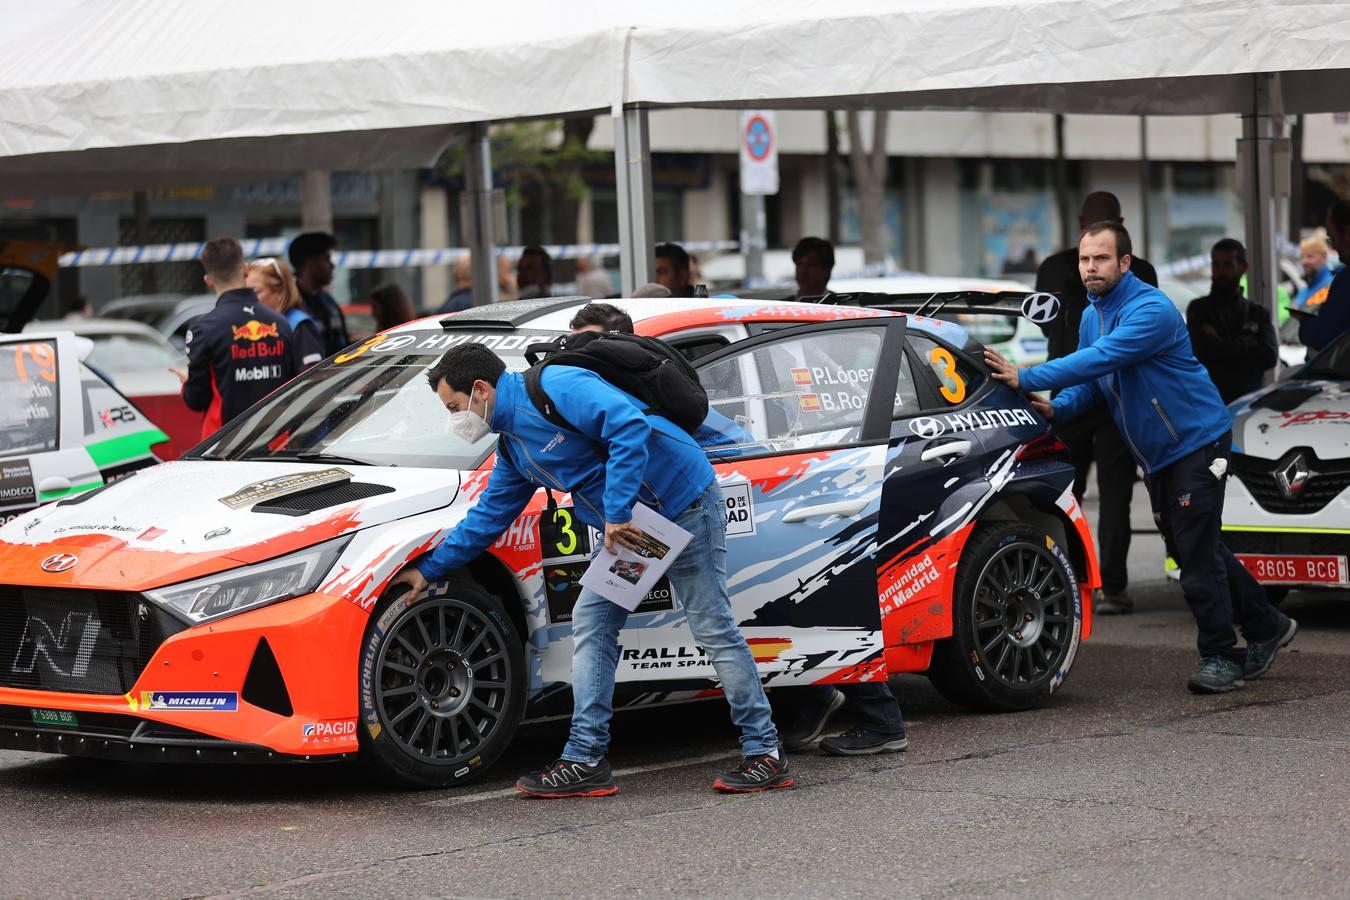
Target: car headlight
point(251, 586)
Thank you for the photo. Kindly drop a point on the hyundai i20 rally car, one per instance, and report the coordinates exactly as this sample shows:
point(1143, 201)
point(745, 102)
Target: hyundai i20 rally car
point(1286, 515)
point(890, 508)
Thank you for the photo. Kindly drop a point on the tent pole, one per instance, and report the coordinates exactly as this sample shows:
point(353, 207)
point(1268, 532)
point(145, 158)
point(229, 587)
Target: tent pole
point(1143, 187)
point(633, 180)
point(478, 225)
point(1257, 186)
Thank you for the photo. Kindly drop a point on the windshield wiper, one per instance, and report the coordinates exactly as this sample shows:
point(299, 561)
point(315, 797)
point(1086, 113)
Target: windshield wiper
point(309, 456)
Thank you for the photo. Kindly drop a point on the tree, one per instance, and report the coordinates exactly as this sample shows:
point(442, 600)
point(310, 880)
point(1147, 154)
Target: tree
point(869, 182)
point(833, 163)
point(540, 166)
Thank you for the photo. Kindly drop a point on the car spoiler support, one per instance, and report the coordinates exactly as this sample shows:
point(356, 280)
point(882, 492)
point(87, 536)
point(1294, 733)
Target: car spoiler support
point(1036, 306)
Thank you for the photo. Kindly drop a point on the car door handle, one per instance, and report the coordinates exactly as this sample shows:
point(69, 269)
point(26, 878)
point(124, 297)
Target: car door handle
point(951, 448)
point(837, 508)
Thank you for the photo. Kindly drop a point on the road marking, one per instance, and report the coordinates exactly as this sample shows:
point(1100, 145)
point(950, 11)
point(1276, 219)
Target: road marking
point(618, 773)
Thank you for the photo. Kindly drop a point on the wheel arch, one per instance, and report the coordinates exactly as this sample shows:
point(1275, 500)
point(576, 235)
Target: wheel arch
point(495, 578)
point(1042, 513)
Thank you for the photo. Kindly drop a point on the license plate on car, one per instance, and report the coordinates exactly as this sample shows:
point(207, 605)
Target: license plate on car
point(1286, 569)
point(59, 717)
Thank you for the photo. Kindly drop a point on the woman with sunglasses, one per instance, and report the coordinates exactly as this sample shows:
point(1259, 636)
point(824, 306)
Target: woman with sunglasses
point(276, 288)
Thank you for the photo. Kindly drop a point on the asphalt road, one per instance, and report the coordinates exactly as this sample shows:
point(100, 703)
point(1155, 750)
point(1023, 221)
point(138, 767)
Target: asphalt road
point(1124, 786)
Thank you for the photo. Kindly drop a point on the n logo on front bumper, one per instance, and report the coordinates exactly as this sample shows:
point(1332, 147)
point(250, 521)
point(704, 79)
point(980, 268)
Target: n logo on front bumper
point(67, 651)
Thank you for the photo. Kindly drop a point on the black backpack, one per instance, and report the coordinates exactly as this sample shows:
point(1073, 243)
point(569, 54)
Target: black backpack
point(649, 369)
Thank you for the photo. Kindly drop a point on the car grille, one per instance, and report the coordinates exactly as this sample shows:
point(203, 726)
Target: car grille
point(87, 642)
point(1258, 476)
point(1296, 543)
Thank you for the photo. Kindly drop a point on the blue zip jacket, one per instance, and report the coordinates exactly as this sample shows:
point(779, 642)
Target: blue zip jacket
point(1135, 353)
point(647, 458)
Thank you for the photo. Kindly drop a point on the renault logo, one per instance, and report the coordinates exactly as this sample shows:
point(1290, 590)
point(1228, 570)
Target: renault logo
point(1293, 477)
point(59, 562)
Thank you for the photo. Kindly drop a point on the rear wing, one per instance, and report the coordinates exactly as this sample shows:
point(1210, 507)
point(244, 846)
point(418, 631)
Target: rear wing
point(1038, 307)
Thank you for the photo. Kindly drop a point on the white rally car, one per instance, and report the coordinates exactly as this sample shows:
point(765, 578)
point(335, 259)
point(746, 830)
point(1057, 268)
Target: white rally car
point(1287, 510)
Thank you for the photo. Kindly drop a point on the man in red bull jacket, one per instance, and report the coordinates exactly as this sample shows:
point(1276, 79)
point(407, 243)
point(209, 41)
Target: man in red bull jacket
point(240, 351)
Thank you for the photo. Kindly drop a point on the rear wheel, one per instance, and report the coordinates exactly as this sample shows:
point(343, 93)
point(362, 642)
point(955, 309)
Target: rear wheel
point(442, 685)
point(1017, 618)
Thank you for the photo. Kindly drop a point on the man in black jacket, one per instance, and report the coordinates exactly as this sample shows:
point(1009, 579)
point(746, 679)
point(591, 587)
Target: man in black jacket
point(1094, 435)
point(240, 351)
point(1233, 337)
point(311, 256)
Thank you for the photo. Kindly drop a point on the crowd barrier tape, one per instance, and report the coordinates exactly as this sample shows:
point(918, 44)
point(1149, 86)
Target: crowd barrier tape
point(1178, 268)
point(344, 259)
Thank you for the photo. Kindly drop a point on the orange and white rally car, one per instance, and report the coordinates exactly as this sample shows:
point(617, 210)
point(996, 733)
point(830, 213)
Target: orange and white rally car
point(890, 509)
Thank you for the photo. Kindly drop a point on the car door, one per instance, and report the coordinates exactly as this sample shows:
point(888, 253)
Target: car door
point(937, 479)
point(797, 433)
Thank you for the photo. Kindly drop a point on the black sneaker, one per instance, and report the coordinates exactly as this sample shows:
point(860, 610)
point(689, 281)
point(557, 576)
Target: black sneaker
point(1104, 604)
point(1260, 654)
point(1216, 675)
point(864, 742)
point(808, 726)
point(754, 774)
point(569, 778)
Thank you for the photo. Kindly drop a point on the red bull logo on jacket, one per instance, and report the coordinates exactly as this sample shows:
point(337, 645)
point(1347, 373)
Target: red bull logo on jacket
point(253, 330)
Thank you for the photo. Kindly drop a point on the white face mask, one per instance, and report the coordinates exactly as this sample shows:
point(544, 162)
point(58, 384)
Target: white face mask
point(469, 425)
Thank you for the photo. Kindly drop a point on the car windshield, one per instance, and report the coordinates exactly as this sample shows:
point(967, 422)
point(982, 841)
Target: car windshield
point(115, 353)
point(1333, 363)
point(370, 404)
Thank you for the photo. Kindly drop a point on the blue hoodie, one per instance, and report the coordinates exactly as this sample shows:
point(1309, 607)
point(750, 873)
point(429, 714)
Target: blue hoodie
point(1135, 353)
point(620, 457)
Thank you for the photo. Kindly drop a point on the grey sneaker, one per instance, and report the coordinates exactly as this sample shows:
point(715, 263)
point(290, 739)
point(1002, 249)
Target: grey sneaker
point(1260, 654)
point(864, 742)
point(1216, 675)
point(810, 723)
point(1104, 604)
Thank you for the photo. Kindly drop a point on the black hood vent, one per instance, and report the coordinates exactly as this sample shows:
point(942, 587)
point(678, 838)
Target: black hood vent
point(1286, 399)
point(318, 498)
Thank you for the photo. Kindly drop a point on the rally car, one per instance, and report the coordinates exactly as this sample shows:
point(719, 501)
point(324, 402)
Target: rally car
point(890, 508)
point(1286, 513)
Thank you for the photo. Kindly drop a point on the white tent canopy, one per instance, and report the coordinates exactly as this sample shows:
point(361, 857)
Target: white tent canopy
point(141, 73)
point(124, 93)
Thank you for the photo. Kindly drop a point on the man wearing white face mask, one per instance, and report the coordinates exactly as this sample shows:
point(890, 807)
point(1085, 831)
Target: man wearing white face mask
point(615, 457)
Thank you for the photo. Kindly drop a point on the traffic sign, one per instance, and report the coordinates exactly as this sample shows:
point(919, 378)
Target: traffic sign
point(759, 152)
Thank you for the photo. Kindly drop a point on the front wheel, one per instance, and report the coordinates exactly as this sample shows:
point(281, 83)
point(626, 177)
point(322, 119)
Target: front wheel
point(442, 685)
point(1017, 618)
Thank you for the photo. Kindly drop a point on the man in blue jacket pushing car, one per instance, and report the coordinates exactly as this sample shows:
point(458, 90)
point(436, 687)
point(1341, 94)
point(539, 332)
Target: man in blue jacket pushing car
point(1135, 355)
point(621, 456)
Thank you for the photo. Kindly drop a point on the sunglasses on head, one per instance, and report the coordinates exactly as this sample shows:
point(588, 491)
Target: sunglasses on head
point(269, 261)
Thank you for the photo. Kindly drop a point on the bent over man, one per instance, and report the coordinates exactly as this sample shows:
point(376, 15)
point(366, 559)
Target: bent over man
point(620, 452)
point(1134, 353)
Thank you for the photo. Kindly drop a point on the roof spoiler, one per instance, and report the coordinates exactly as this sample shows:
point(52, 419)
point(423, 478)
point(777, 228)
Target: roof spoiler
point(1039, 307)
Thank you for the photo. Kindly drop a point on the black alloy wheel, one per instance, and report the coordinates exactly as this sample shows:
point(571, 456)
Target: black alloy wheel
point(1023, 614)
point(442, 685)
point(1016, 620)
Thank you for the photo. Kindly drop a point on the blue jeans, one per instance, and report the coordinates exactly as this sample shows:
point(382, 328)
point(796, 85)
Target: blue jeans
point(699, 576)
